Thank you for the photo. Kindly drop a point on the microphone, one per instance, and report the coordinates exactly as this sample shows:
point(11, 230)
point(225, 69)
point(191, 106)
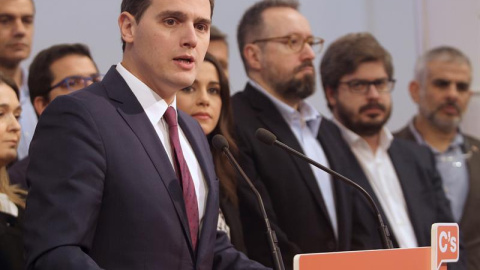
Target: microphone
point(269, 138)
point(221, 144)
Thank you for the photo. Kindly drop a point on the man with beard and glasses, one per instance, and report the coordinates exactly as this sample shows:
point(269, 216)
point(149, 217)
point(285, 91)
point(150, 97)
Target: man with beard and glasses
point(357, 77)
point(308, 211)
point(441, 89)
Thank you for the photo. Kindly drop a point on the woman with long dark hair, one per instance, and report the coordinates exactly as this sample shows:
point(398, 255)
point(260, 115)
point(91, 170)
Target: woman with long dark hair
point(208, 101)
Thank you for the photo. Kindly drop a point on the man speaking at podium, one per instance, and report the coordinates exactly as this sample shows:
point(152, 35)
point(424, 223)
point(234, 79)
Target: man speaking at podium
point(115, 182)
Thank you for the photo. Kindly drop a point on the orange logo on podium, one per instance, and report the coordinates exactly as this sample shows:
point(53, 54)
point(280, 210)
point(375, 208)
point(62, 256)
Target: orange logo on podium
point(445, 244)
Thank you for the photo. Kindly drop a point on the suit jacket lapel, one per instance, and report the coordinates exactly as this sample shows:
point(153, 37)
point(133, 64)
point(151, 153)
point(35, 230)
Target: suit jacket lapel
point(132, 112)
point(273, 120)
point(411, 187)
point(343, 161)
point(473, 173)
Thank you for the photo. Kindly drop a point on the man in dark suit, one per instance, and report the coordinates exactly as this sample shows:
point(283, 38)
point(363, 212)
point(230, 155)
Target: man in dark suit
point(309, 212)
point(441, 89)
point(115, 183)
point(357, 77)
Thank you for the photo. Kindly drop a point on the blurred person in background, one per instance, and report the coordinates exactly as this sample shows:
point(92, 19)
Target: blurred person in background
point(12, 197)
point(218, 47)
point(442, 90)
point(16, 35)
point(58, 70)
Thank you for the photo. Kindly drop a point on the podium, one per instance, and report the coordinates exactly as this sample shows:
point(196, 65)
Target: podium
point(444, 249)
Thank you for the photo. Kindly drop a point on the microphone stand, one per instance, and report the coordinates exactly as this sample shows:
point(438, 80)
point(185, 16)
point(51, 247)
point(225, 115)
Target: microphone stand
point(221, 142)
point(269, 138)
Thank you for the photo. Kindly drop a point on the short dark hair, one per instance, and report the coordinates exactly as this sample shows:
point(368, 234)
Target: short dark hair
point(251, 24)
point(347, 53)
point(10, 83)
point(216, 34)
point(138, 7)
point(40, 76)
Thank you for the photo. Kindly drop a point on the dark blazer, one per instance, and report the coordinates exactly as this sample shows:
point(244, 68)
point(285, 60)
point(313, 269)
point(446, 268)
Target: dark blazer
point(292, 198)
point(103, 193)
point(232, 218)
point(421, 184)
point(11, 244)
point(470, 222)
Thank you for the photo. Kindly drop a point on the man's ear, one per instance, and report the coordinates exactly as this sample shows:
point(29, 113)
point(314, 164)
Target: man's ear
point(40, 103)
point(330, 95)
point(127, 23)
point(253, 56)
point(414, 89)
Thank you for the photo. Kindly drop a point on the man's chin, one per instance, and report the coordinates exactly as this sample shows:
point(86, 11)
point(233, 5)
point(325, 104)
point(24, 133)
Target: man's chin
point(447, 124)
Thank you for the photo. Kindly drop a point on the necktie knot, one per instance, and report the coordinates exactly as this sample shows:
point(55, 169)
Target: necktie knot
point(170, 117)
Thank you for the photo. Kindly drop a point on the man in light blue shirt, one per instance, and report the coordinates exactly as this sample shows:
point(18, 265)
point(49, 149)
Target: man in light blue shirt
point(15, 46)
point(308, 209)
point(441, 88)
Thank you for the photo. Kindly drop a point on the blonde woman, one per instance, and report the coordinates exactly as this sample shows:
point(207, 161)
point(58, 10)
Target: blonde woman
point(12, 200)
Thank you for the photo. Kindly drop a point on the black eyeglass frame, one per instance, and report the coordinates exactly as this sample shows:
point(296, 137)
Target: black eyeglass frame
point(390, 84)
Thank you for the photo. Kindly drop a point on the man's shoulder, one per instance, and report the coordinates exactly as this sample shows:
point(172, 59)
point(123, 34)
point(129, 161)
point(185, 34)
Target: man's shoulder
point(471, 139)
point(410, 148)
point(404, 133)
point(242, 106)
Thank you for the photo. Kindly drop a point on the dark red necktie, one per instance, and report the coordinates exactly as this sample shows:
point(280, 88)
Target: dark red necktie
point(183, 173)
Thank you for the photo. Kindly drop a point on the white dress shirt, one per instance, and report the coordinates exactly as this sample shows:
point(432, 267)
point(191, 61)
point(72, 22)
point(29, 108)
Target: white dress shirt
point(7, 206)
point(383, 178)
point(154, 106)
point(305, 123)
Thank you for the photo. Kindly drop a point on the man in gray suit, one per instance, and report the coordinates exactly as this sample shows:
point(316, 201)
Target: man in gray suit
point(441, 88)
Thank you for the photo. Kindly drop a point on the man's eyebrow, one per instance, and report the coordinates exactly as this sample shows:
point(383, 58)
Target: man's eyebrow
point(181, 16)
point(171, 13)
point(204, 21)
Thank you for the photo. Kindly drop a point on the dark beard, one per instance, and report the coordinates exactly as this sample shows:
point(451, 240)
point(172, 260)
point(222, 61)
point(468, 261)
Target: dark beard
point(361, 128)
point(297, 88)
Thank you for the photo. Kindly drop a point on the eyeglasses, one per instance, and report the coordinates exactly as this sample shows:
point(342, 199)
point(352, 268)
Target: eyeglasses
point(73, 83)
point(382, 86)
point(296, 42)
point(445, 84)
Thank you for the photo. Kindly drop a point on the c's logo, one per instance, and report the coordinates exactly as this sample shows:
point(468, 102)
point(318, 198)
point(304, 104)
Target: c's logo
point(444, 244)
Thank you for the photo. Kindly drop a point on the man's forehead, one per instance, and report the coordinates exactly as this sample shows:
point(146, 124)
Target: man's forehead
point(22, 7)
point(291, 21)
point(442, 68)
point(199, 9)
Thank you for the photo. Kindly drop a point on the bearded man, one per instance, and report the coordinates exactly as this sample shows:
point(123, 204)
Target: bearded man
point(357, 77)
point(309, 211)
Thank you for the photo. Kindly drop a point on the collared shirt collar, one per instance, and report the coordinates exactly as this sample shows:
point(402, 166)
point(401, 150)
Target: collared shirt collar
point(151, 102)
point(458, 141)
point(305, 111)
point(353, 138)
